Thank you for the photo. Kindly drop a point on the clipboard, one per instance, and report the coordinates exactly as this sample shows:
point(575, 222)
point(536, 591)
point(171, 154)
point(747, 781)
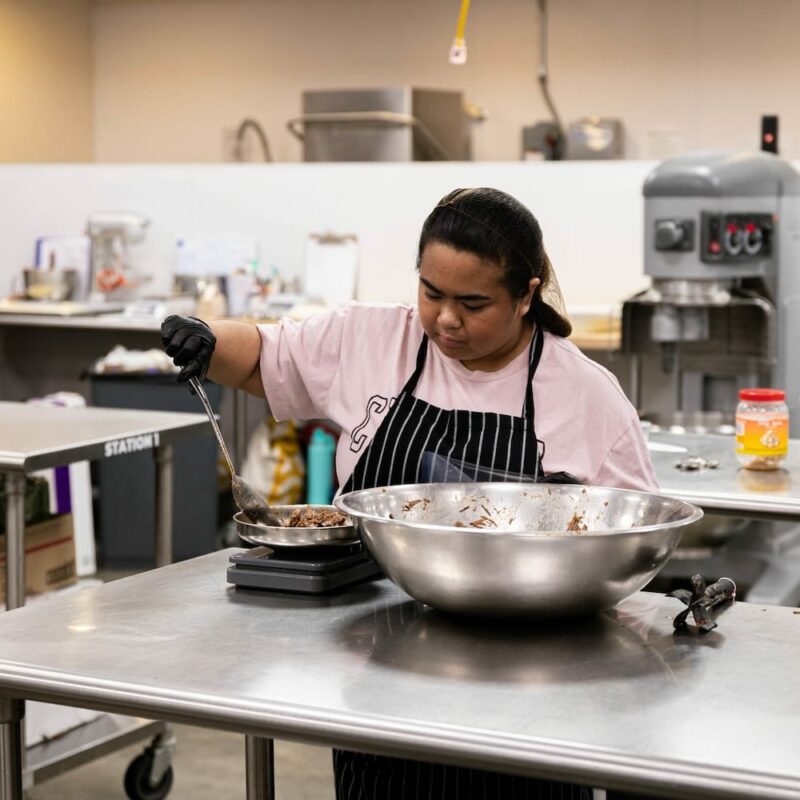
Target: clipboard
point(331, 268)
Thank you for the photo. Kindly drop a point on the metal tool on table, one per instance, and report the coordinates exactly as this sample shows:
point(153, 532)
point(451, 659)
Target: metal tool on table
point(701, 600)
point(252, 504)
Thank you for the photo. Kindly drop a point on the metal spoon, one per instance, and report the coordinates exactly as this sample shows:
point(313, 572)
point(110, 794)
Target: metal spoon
point(253, 505)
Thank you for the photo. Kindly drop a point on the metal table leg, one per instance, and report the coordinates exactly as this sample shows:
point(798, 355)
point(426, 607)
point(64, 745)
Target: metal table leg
point(15, 540)
point(260, 768)
point(164, 455)
point(11, 714)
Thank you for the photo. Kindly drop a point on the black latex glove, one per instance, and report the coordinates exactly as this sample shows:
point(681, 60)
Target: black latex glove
point(189, 342)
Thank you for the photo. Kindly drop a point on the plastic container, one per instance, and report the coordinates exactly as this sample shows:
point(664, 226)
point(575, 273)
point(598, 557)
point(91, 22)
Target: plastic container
point(762, 428)
point(319, 467)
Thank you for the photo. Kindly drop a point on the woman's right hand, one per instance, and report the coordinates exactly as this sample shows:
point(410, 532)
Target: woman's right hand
point(189, 342)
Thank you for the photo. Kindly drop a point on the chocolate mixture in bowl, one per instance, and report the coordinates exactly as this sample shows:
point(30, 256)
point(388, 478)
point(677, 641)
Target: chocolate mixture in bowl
point(479, 512)
point(577, 523)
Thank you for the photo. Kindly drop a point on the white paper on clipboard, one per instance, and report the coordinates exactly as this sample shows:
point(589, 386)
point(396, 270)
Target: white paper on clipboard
point(214, 255)
point(331, 268)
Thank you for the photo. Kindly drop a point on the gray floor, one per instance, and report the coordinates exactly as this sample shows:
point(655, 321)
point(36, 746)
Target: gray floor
point(208, 765)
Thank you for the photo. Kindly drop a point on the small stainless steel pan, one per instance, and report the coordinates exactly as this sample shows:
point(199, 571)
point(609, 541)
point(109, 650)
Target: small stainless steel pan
point(281, 536)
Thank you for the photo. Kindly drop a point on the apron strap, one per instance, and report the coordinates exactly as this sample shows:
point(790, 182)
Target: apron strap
point(422, 353)
point(537, 344)
point(535, 355)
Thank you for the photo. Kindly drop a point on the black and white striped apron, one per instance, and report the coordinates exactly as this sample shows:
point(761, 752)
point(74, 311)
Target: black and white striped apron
point(507, 446)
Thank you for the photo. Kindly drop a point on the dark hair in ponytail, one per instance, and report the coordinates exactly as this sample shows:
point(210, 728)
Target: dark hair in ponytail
point(494, 226)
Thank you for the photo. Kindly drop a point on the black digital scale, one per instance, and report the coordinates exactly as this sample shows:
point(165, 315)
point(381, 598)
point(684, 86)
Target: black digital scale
point(310, 570)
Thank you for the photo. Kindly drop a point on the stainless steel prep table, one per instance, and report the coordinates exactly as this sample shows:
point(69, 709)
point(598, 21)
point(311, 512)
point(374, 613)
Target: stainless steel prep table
point(37, 437)
point(616, 701)
point(34, 437)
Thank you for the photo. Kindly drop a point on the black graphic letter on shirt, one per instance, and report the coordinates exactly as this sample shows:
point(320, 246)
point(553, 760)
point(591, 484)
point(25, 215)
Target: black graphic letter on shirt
point(375, 405)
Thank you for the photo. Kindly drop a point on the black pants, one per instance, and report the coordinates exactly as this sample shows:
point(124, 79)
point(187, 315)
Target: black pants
point(360, 776)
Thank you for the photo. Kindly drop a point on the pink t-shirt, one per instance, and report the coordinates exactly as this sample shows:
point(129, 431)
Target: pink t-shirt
point(349, 364)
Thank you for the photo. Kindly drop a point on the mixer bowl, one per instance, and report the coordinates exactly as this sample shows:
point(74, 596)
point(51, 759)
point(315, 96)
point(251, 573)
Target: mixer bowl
point(524, 560)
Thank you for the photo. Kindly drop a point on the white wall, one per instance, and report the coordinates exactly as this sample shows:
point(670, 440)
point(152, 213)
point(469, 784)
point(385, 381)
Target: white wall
point(591, 214)
point(171, 76)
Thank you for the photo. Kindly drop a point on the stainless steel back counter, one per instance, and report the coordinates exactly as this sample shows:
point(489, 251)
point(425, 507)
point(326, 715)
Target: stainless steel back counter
point(726, 488)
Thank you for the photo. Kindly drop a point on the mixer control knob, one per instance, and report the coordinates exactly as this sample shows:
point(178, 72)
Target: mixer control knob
point(734, 240)
point(672, 234)
point(753, 240)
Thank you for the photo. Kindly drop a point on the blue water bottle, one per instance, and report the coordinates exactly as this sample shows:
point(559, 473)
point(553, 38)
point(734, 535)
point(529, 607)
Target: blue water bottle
point(319, 468)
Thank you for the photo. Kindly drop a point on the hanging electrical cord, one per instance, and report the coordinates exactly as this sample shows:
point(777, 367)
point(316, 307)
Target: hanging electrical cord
point(458, 50)
point(543, 66)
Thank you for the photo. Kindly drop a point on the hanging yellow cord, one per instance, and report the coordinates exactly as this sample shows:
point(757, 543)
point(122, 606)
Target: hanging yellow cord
point(462, 23)
point(458, 52)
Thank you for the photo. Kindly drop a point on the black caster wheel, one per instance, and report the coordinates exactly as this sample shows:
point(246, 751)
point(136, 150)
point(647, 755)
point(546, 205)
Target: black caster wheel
point(137, 779)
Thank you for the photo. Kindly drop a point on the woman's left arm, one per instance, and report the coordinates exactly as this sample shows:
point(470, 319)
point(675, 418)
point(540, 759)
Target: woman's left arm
point(628, 464)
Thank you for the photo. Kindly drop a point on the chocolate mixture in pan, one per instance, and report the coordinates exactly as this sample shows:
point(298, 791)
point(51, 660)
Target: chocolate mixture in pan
point(311, 517)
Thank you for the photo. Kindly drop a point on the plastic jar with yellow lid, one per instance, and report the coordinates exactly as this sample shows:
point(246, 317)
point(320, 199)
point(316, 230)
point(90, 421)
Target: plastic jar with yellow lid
point(762, 428)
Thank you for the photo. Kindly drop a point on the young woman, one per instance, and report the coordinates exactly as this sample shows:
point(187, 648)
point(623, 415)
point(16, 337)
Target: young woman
point(479, 373)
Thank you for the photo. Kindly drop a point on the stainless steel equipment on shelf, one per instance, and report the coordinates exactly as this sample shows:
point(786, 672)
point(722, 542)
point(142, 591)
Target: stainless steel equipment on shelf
point(723, 309)
point(518, 548)
point(398, 123)
point(54, 285)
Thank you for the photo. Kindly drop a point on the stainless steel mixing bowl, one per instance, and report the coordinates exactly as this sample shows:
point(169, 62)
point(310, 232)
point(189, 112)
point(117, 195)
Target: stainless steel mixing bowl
point(522, 560)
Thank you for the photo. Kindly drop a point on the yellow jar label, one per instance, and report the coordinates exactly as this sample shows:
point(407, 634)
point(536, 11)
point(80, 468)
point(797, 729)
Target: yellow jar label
point(762, 435)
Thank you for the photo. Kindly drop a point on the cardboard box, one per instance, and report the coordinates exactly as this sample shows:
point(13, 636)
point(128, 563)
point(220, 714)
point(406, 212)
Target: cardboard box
point(49, 556)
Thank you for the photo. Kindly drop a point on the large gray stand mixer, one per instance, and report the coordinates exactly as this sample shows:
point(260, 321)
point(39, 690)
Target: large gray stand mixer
point(722, 249)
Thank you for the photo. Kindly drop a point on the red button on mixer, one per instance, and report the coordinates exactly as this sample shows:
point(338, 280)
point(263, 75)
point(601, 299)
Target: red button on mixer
point(714, 247)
